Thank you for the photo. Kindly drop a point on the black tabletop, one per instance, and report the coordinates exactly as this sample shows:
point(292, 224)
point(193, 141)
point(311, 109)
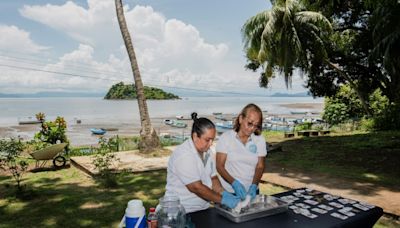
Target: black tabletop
point(210, 218)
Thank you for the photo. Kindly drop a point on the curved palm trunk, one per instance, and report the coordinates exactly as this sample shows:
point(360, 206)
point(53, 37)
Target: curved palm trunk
point(360, 96)
point(149, 138)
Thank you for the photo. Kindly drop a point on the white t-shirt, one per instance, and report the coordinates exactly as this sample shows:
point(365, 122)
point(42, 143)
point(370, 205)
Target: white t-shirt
point(184, 167)
point(241, 160)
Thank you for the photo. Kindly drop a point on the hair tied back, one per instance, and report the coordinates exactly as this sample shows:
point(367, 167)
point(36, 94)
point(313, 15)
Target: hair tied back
point(194, 116)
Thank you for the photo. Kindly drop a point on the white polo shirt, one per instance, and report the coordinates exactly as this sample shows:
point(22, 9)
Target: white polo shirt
point(241, 160)
point(184, 167)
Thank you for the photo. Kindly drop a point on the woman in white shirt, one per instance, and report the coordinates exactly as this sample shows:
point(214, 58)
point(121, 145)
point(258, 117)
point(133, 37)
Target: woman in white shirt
point(191, 172)
point(241, 153)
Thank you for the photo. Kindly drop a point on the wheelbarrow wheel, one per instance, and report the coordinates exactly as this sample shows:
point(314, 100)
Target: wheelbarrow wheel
point(59, 161)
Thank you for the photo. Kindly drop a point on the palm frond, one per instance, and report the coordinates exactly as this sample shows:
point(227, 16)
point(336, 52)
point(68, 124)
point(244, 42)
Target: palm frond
point(313, 17)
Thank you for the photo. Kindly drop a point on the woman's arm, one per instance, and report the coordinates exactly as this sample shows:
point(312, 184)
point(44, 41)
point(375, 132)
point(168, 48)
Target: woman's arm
point(216, 185)
point(221, 159)
point(204, 192)
point(259, 170)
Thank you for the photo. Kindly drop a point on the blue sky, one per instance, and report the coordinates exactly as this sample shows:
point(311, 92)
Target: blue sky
point(77, 46)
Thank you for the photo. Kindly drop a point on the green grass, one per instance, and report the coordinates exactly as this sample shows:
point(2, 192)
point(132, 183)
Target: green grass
point(369, 157)
point(68, 198)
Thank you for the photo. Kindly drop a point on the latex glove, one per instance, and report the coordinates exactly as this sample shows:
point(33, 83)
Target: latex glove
point(229, 199)
point(252, 191)
point(239, 189)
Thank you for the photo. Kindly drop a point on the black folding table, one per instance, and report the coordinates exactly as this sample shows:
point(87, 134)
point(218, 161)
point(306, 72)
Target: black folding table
point(210, 218)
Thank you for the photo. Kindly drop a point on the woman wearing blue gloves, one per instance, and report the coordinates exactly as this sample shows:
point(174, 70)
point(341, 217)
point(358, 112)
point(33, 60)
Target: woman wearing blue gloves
point(241, 153)
point(191, 171)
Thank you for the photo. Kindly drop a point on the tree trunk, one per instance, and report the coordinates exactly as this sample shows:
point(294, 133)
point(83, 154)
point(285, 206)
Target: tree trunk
point(149, 139)
point(353, 85)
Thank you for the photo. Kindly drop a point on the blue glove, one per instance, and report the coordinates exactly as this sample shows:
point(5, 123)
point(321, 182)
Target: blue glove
point(239, 189)
point(252, 191)
point(229, 199)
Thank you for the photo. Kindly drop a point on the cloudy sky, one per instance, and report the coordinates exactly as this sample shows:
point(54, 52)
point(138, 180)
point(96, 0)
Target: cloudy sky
point(63, 45)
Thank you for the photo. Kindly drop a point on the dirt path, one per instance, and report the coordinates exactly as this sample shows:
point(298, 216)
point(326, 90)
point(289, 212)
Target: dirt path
point(387, 198)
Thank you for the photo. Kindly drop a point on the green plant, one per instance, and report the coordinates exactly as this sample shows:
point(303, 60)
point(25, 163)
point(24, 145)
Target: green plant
point(40, 116)
point(104, 160)
point(10, 161)
point(52, 132)
point(303, 126)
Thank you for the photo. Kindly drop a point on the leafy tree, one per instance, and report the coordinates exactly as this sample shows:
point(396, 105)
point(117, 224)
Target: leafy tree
point(345, 105)
point(150, 140)
point(10, 161)
point(365, 44)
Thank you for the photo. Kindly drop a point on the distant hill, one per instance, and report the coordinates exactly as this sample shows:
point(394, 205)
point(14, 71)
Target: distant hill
point(50, 94)
point(128, 91)
point(302, 94)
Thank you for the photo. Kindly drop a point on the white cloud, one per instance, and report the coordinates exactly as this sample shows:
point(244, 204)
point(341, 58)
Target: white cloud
point(170, 52)
point(15, 39)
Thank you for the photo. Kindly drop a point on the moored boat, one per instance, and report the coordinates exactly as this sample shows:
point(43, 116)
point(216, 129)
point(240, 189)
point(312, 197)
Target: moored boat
point(28, 120)
point(178, 124)
point(98, 131)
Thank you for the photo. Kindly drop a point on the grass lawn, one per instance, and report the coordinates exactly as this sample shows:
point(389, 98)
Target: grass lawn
point(69, 198)
point(368, 157)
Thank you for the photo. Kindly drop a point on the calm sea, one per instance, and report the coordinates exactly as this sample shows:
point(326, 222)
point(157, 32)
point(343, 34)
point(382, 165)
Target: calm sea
point(98, 110)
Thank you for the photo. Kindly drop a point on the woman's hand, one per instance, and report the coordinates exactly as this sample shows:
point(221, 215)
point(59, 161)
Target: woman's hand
point(252, 191)
point(229, 199)
point(239, 189)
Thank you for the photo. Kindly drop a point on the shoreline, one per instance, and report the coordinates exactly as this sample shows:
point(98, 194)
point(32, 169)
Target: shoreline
point(79, 134)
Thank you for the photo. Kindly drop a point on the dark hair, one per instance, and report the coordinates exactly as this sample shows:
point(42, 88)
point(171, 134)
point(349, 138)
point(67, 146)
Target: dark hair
point(244, 112)
point(200, 125)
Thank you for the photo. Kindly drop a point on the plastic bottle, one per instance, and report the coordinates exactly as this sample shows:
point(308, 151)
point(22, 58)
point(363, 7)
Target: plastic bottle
point(152, 218)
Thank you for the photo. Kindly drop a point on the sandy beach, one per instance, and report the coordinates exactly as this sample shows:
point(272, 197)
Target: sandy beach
point(79, 134)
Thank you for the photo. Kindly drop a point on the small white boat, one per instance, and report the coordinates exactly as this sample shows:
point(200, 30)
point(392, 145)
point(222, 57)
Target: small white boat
point(180, 117)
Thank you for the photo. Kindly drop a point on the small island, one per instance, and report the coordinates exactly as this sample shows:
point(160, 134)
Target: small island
point(121, 91)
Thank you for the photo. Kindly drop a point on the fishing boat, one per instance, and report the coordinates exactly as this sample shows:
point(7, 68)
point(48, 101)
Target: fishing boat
point(220, 117)
point(224, 126)
point(98, 131)
point(28, 120)
point(178, 124)
point(298, 113)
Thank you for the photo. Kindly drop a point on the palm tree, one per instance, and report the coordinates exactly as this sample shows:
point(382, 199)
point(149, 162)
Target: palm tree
point(149, 139)
point(386, 36)
point(288, 37)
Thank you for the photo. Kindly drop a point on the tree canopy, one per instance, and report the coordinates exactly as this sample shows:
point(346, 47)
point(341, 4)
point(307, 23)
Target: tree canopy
point(334, 43)
point(128, 91)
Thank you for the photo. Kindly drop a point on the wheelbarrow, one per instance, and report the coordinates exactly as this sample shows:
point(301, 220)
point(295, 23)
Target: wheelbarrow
point(50, 153)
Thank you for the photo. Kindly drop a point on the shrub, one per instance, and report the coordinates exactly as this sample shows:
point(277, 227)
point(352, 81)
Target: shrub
point(10, 161)
point(388, 119)
point(51, 132)
point(104, 160)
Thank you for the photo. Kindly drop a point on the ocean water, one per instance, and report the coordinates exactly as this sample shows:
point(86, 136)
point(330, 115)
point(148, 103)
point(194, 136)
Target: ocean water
point(95, 110)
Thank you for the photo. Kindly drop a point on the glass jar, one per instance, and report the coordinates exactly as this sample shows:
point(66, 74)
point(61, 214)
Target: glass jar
point(170, 212)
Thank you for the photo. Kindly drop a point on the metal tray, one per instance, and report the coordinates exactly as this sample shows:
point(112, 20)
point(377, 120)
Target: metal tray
point(261, 206)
